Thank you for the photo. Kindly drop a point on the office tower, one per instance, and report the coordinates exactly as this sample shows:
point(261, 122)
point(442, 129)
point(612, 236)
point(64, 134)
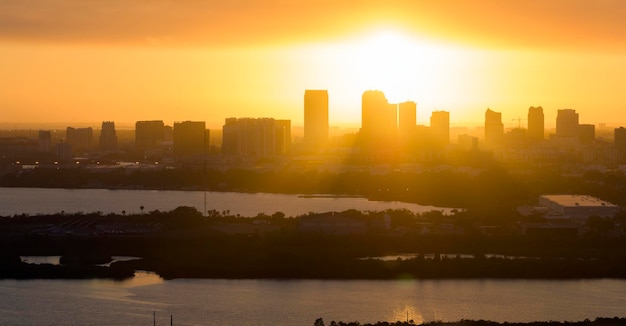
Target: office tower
point(45, 141)
point(378, 117)
point(586, 133)
point(536, 124)
point(80, 139)
point(149, 134)
point(283, 136)
point(190, 138)
point(256, 137)
point(567, 123)
point(108, 137)
point(379, 126)
point(494, 128)
point(440, 128)
point(620, 139)
point(315, 118)
point(407, 117)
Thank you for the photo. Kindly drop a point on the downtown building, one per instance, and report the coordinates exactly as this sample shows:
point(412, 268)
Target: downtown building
point(149, 134)
point(494, 129)
point(315, 119)
point(379, 126)
point(440, 129)
point(108, 136)
point(536, 124)
point(79, 139)
point(260, 137)
point(190, 138)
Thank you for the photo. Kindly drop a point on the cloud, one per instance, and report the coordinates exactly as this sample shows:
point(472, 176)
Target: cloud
point(506, 23)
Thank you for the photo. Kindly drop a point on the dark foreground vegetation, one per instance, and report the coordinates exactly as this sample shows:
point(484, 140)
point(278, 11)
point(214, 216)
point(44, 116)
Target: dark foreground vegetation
point(185, 243)
point(597, 322)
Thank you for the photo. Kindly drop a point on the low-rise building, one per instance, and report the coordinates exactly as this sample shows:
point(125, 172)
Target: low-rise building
point(577, 206)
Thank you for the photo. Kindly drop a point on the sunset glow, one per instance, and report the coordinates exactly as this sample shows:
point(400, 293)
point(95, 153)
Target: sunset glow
point(208, 60)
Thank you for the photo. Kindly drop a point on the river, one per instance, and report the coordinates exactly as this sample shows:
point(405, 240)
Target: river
point(300, 302)
point(34, 201)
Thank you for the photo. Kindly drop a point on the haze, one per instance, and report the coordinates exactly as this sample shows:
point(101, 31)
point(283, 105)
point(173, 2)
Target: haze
point(84, 61)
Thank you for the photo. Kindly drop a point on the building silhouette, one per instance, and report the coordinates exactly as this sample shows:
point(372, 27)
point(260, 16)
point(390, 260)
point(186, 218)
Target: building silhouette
point(407, 118)
point(190, 138)
point(407, 127)
point(494, 129)
point(620, 143)
point(567, 124)
point(586, 133)
point(440, 129)
point(149, 134)
point(80, 139)
point(315, 119)
point(45, 141)
point(256, 137)
point(379, 126)
point(536, 124)
point(108, 136)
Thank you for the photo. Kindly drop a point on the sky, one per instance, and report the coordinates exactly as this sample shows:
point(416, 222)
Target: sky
point(87, 61)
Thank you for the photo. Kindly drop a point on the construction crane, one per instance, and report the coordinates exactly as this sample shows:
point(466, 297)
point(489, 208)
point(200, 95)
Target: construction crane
point(519, 122)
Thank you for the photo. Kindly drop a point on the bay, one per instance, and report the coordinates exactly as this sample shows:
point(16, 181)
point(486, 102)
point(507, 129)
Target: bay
point(300, 302)
point(33, 201)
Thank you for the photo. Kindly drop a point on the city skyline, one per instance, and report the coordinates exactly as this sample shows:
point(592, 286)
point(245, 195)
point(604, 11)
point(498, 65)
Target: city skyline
point(92, 61)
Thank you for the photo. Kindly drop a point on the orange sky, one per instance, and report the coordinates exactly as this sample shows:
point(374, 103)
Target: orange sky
point(90, 60)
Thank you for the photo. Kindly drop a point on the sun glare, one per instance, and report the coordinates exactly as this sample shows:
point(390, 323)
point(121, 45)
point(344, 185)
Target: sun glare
point(402, 65)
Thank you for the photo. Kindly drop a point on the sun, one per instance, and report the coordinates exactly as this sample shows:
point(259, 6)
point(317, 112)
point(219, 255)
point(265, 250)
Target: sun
point(404, 65)
point(398, 63)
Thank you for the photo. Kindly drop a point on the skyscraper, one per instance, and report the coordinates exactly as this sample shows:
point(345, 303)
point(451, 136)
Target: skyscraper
point(45, 141)
point(536, 124)
point(315, 118)
point(190, 138)
point(567, 123)
point(256, 137)
point(494, 128)
point(620, 143)
point(620, 139)
point(149, 134)
point(407, 117)
point(80, 139)
point(379, 124)
point(108, 137)
point(440, 128)
point(586, 133)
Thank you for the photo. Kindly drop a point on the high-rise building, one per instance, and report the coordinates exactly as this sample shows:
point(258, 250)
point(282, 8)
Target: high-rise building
point(494, 128)
point(80, 139)
point(586, 133)
point(190, 138)
point(149, 134)
point(536, 124)
point(256, 137)
point(440, 128)
point(620, 139)
point(45, 141)
point(567, 123)
point(283, 136)
point(407, 117)
point(315, 118)
point(379, 125)
point(108, 137)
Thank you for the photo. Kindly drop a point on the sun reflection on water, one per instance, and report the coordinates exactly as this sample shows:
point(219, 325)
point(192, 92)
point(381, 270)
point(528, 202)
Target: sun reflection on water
point(407, 313)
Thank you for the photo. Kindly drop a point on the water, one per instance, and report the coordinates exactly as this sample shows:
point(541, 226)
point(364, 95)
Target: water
point(300, 302)
point(34, 201)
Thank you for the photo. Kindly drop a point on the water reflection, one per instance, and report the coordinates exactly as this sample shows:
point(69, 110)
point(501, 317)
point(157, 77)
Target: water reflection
point(407, 313)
